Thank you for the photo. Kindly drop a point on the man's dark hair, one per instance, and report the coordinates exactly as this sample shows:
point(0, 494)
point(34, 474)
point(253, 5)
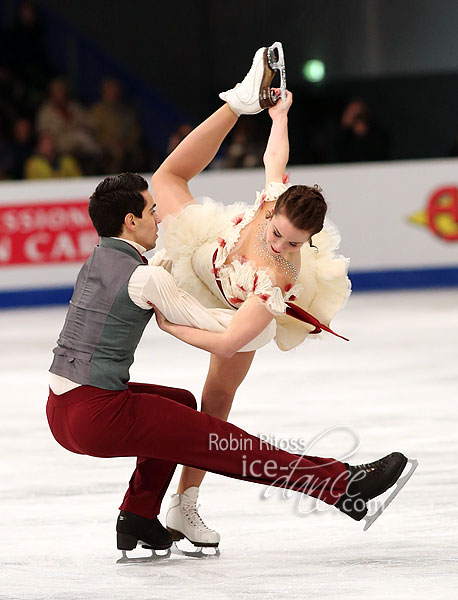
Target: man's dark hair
point(113, 199)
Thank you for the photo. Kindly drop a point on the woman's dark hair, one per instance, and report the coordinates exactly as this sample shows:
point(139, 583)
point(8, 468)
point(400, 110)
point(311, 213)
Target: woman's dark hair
point(304, 206)
point(113, 199)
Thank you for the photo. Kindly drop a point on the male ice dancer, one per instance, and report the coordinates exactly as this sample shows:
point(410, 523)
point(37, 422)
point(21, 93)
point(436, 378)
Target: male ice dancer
point(93, 409)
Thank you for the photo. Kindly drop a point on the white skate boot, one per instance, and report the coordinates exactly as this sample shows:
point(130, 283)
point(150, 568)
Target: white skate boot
point(184, 521)
point(254, 93)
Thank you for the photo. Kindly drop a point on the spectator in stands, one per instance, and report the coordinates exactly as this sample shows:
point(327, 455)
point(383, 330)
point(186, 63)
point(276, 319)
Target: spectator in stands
point(70, 124)
point(47, 162)
point(22, 146)
point(6, 156)
point(244, 149)
point(117, 130)
point(12, 96)
point(360, 138)
point(178, 136)
point(26, 53)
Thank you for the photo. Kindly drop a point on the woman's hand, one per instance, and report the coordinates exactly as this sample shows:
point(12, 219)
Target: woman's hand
point(281, 108)
point(162, 321)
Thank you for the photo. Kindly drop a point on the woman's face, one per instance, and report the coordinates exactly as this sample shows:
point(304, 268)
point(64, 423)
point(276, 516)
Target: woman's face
point(282, 236)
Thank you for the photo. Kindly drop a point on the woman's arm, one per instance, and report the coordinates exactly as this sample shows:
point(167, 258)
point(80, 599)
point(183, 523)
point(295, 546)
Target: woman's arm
point(277, 150)
point(247, 323)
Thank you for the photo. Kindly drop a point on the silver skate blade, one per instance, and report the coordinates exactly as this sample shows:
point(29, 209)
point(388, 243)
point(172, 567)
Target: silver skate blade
point(203, 552)
point(278, 65)
point(400, 483)
point(124, 560)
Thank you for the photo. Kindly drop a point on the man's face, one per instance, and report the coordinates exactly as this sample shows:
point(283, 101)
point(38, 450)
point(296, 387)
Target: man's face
point(146, 228)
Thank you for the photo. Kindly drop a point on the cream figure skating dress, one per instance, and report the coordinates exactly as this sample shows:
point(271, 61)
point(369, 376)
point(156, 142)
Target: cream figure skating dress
point(217, 254)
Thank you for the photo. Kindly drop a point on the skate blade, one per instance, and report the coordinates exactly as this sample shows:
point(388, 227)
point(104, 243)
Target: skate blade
point(278, 65)
point(400, 483)
point(143, 559)
point(203, 552)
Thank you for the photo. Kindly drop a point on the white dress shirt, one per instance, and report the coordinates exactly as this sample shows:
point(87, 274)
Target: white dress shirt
point(153, 285)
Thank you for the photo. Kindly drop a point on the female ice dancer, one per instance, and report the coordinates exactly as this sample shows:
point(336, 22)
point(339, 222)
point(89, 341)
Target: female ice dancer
point(270, 262)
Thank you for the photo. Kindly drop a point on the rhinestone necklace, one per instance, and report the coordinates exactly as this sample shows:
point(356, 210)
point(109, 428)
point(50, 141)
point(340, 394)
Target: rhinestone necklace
point(261, 249)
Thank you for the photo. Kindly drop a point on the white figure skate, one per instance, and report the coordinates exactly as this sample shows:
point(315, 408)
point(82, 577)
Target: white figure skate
point(254, 94)
point(184, 521)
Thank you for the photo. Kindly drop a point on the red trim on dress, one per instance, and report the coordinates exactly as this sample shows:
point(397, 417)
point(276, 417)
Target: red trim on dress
point(293, 310)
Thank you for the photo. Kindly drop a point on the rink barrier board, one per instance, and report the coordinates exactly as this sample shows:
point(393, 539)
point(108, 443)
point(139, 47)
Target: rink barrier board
point(398, 221)
point(363, 281)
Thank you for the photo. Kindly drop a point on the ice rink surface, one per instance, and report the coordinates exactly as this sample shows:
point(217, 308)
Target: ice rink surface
point(393, 387)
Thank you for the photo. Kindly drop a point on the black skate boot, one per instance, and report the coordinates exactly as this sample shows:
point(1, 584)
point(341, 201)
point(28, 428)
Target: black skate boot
point(131, 529)
point(369, 481)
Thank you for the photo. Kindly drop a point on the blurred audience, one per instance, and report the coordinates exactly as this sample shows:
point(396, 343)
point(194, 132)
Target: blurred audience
point(22, 146)
point(117, 130)
point(6, 156)
point(245, 149)
point(13, 101)
point(46, 132)
point(25, 52)
point(71, 126)
point(360, 138)
point(178, 136)
point(47, 162)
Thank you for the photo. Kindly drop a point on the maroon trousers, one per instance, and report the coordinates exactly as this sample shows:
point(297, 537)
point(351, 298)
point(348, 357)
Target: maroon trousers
point(161, 427)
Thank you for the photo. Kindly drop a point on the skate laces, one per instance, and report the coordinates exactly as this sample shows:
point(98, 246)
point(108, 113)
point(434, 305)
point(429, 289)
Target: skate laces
point(191, 514)
point(374, 466)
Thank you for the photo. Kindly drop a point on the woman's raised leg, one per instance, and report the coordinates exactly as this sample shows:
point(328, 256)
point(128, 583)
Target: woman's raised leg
point(196, 151)
point(190, 157)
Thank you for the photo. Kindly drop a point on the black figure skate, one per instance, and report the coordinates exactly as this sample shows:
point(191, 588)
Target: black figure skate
point(131, 529)
point(369, 481)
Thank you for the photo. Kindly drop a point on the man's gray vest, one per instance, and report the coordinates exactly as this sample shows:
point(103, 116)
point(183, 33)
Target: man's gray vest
point(103, 326)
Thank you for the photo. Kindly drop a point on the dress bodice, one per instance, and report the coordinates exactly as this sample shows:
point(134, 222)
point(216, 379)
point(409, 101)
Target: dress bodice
point(240, 269)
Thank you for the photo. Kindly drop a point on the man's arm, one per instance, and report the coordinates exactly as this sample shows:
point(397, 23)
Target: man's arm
point(248, 322)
